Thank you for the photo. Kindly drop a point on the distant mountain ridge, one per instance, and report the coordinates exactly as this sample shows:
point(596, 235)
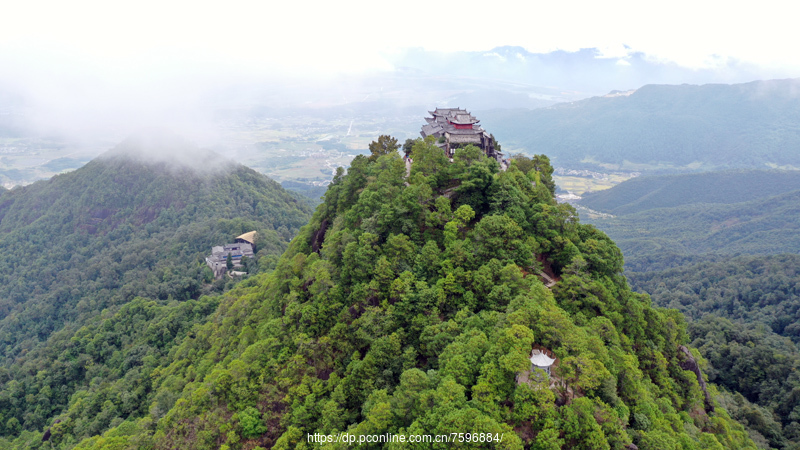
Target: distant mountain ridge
point(732, 186)
point(664, 127)
point(649, 239)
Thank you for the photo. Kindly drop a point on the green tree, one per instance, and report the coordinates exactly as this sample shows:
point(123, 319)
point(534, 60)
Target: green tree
point(383, 146)
point(408, 145)
point(539, 164)
point(229, 262)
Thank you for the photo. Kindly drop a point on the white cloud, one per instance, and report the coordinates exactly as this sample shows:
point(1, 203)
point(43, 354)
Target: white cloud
point(350, 36)
point(149, 59)
point(495, 55)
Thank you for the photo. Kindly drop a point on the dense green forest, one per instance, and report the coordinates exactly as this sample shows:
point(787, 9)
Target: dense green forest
point(680, 236)
point(661, 127)
point(410, 306)
point(103, 273)
point(660, 238)
point(652, 192)
point(745, 320)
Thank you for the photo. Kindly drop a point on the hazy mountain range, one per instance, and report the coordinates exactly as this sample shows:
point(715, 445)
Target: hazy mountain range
point(664, 128)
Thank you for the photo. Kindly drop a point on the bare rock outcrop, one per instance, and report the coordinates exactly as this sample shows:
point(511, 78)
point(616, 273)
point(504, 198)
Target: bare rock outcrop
point(687, 362)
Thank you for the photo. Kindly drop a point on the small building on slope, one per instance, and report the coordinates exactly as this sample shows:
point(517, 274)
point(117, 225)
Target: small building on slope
point(456, 127)
point(242, 248)
point(248, 238)
point(540, 360)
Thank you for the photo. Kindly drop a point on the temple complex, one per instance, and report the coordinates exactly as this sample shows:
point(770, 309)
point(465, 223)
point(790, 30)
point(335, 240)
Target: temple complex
point(456, 127)
point(244, 247)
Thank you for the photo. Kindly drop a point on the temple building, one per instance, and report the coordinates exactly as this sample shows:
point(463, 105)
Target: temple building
point(242, 248)
point(456, 127)
point(248, 238)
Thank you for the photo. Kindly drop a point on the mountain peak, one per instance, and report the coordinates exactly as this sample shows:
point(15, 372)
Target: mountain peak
point(161, 147)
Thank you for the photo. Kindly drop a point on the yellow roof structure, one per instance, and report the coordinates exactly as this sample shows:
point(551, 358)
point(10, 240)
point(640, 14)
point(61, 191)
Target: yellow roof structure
point(249, 237)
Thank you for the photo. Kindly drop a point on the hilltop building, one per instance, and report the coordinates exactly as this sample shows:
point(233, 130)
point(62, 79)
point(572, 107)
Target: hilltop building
point(243, 247)
point(456, 127)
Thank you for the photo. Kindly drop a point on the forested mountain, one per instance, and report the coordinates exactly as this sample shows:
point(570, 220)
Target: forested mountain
point(681, 235)
point(666, 237)
point(731, 186)
point(411, 306)
point(103, 269)
point(662, 127)
point(744, 319)
point(745, 289)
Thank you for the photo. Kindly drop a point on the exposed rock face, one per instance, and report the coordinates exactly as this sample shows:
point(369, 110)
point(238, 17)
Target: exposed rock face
point(319, 236)
point(47, 433)
point(687, 362)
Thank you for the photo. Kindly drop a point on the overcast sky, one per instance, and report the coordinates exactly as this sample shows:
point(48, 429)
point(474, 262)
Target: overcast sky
point(124, 39)
point(138, 53)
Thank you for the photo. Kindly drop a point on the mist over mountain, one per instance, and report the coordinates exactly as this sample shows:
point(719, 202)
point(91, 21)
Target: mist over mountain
point(118, 240)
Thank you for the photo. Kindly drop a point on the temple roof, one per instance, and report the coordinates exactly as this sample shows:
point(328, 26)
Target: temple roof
point(428, 130)
point(453, 130)
point(249, 237)
point(446, 110)
point(450, 123)
point(464, 119)
point(540, 359)
point(465, 138)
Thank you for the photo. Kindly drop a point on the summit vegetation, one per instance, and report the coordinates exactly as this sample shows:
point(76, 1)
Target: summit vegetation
point(410, 305)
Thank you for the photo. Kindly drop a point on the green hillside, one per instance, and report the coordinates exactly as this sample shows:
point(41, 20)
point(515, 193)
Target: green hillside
point(412, 309)
point(680, 236)
point(745, 289)
point(743, 314)
point(665, 237)
point(114, 251)
point(651, 192)
point(662, 127)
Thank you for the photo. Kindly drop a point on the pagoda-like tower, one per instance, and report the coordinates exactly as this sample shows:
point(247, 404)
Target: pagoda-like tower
point(456, 127)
